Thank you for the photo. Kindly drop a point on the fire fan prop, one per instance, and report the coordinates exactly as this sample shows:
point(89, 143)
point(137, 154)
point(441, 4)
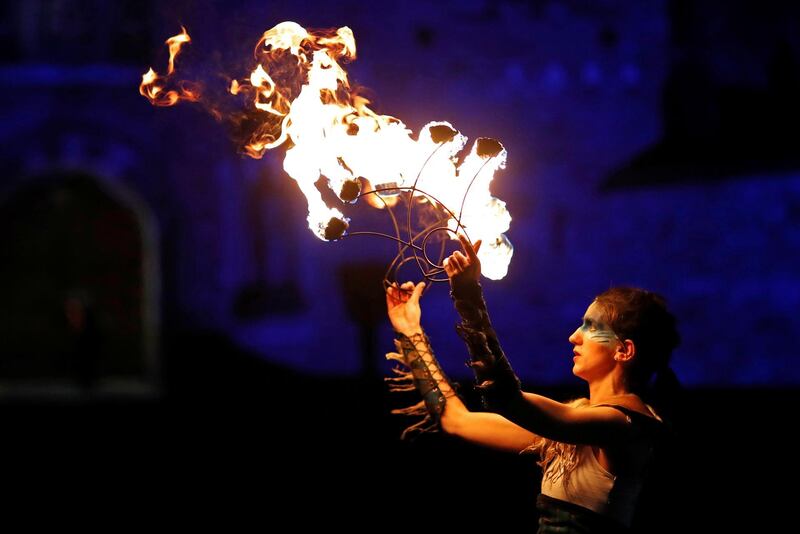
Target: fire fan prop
point(298, 97)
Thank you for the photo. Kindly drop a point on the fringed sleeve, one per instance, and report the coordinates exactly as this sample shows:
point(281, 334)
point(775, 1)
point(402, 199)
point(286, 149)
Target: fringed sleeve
point(494, 377)
point(419, 370)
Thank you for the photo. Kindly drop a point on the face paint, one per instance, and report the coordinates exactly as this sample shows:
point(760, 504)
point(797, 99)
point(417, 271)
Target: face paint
point(597, 331)
point(595, 345)
point(594, 326)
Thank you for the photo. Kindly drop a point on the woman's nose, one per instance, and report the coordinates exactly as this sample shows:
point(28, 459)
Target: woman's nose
point(575, 338)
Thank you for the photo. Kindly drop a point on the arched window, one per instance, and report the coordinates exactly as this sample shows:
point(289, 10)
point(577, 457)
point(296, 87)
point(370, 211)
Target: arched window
point(77, 313)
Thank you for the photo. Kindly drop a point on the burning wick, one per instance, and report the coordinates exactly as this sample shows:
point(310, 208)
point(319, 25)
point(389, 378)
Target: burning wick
point(298, 96)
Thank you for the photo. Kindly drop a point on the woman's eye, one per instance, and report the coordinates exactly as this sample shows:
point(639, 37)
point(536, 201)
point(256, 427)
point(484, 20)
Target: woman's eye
point(589, 326)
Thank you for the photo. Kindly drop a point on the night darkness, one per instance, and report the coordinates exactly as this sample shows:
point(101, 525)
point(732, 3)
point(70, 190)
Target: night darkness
point(171, 331)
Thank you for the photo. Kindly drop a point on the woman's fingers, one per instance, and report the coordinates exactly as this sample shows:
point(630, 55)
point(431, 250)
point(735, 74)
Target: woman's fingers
point(403, 290)
point(463, 263)
point(452, 266)
point(391, 300)
point(399, 293)
point(472, 252)
point(417, 292)
point(395, 294)
point(392, 295)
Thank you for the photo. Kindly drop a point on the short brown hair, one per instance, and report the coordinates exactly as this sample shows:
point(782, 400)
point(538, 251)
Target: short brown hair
point(642, 316)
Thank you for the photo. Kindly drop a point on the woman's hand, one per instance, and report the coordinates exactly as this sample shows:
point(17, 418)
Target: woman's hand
point(464, 269)
point(402, 303)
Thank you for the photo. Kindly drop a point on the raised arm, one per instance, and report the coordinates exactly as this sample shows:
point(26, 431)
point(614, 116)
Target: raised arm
point(600, 426)
point(486, 429)
point(500, 388)
point(494, 377)
point(440, 407)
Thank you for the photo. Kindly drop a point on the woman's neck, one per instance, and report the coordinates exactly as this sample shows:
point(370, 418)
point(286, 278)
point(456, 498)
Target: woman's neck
point(611, 387)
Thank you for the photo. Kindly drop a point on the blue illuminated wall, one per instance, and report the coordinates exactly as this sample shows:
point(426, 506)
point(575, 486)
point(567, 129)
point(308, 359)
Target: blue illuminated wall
point(622, 169)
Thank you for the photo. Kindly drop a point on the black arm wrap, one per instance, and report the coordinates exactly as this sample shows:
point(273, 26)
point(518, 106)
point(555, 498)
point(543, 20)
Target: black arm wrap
point(494, 377)
point(423, 372)
point(426, 376)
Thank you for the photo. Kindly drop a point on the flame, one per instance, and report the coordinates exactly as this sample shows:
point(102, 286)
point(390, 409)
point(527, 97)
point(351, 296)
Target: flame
point(175, 43)
point(302, 99)
point(153, 86)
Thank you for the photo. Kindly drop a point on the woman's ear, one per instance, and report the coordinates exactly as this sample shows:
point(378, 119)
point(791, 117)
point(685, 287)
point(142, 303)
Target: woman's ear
point(626, 351)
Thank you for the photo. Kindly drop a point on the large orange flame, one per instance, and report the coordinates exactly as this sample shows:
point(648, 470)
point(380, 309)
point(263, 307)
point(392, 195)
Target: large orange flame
point(301, 97)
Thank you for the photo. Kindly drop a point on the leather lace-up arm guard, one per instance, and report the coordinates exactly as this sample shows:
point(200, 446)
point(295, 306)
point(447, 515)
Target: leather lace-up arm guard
point(495, 380)
point(424, 374)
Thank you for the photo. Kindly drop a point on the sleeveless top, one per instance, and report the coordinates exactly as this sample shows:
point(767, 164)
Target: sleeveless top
point(591, 486)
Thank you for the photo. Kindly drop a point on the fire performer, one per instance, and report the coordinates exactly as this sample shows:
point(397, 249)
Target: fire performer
point(594, 451)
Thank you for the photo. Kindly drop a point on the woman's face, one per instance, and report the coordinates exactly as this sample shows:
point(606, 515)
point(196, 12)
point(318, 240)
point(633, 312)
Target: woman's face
point(595, 345)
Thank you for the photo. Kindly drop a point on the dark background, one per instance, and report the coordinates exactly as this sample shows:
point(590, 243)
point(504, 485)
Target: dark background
point(174, 339)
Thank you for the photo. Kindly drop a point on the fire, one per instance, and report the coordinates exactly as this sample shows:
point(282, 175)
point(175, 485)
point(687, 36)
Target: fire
point(175, 43)
point(152, 86)
point(304, 101)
